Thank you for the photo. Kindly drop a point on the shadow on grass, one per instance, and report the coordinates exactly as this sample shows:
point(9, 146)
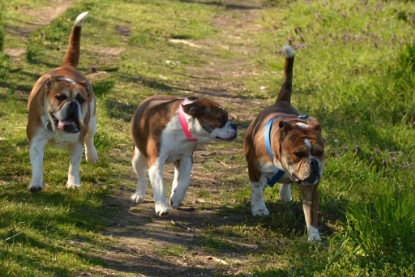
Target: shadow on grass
point(47, 222)
point(228, 6)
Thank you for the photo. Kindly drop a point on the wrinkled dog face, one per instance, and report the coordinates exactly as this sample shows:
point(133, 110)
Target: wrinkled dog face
point(211, 120)
point(66, 105)
point(302, 153)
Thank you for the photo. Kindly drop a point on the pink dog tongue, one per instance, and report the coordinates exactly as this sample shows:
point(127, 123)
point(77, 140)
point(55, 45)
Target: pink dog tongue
point(63, 124)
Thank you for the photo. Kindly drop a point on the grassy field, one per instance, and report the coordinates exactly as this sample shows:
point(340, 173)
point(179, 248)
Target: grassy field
point(354, 70)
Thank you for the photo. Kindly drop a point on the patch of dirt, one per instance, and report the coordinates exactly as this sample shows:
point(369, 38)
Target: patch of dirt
point(42, 16)
point(147, 245)
point(146, 242)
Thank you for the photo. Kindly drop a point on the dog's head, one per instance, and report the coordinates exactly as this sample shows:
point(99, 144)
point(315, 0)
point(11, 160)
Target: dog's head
point(210, 120)
point(67, 103)
point(302, 150)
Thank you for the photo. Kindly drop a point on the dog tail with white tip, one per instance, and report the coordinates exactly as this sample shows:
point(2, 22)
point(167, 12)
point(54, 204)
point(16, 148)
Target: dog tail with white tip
point(72, 54)
point(285, 91)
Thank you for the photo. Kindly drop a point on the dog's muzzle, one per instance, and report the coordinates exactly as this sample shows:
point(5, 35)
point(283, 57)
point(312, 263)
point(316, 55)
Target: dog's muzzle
point(70, 123)
point(314, 175)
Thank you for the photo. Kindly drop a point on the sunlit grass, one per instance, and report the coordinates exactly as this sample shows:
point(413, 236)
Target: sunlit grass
point(354, 70)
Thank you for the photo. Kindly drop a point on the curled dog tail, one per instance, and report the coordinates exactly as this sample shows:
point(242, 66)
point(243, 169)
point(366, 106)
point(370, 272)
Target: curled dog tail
point(72, 53)
point(285, 91)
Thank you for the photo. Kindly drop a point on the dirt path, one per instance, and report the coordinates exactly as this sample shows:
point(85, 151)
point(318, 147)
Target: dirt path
point(42, 17)
point(147, 243)
point(170, 246)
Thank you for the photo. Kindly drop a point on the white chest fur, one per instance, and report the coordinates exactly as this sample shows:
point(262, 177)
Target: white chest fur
point(174, 144)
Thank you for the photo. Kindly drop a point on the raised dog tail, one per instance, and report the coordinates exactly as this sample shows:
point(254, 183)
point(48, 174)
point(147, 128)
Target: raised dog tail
point(73, 51)
point(285, 91)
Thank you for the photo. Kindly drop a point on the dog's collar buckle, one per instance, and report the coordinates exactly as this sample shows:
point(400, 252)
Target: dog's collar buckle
point(183, 123)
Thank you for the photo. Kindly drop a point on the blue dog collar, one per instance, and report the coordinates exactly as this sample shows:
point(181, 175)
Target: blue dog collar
point(267, 138)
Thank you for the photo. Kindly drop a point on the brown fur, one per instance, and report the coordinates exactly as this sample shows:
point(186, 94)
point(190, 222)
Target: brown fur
point(148, 121)
point(45, 86)
point(153, 114)
point(287, 139)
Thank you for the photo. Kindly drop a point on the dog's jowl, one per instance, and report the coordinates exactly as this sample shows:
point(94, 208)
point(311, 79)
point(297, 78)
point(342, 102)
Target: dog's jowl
point(166, 129)
point(284, 146)
point(62, 109)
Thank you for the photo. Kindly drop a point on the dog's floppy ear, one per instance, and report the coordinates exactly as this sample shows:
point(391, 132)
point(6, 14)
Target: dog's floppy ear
point(194, 109)
point(314, 124)
point(285, 127)
point(87, 86)
point(49, 82)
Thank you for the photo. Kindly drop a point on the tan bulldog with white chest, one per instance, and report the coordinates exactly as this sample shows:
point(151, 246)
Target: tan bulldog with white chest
point(283, 146)
point(62, 109)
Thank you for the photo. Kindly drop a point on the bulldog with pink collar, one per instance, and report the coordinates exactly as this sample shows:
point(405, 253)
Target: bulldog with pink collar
point(166, 129)
point(283, 146)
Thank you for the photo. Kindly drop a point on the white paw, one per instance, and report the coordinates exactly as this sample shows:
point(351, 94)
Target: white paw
point(35, 187)
point(176, 200)
point(137, 198)
point(162, 209)
point(91, 155)
point(259, 210)
point(72, 185)
point(313, 234)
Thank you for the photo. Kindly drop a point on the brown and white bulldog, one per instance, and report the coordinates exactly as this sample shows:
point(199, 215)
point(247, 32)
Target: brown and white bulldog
point(283, 146)
point(166, 129)
point(62, 109)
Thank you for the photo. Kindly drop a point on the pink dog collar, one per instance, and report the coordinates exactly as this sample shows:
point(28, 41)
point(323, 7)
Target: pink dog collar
point(183, 123)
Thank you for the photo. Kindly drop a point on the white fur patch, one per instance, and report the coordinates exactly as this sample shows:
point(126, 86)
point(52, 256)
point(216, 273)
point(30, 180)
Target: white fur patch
point(79, 21)
point(69, 80)
point(301, 124)
point(313, 234)
point(307, 143)
point(288, 51)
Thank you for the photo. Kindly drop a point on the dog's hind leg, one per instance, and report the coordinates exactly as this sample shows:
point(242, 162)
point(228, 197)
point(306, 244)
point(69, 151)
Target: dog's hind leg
point(181, 181)
point(139, 163)
point(91, 153)
point(285, 192)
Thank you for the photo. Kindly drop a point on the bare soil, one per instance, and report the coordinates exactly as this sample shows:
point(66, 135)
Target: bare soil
point(143, 238)
point(145, 243)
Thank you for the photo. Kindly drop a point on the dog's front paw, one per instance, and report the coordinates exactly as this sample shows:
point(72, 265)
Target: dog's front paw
point(313, 234)
point(259, 210)
point(162, 209)
point(72, 185)
point(91, 155)
point(176, 200)
point(137, 198)
point(35, 187)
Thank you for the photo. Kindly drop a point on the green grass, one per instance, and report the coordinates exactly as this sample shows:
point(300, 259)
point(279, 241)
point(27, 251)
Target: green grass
point(354, 70)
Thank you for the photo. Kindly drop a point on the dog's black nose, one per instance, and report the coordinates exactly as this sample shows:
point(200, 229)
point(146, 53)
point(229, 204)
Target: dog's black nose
point(73, 108)
point(314, 165)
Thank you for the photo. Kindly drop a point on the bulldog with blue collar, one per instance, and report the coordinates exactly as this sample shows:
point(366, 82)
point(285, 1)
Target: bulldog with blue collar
point(283, 146)
point(166, 129)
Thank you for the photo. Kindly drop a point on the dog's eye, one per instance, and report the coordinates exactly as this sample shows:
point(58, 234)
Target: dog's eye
point(80, 99)
point(318, 153)
point(61, 97)
point(300, 154)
